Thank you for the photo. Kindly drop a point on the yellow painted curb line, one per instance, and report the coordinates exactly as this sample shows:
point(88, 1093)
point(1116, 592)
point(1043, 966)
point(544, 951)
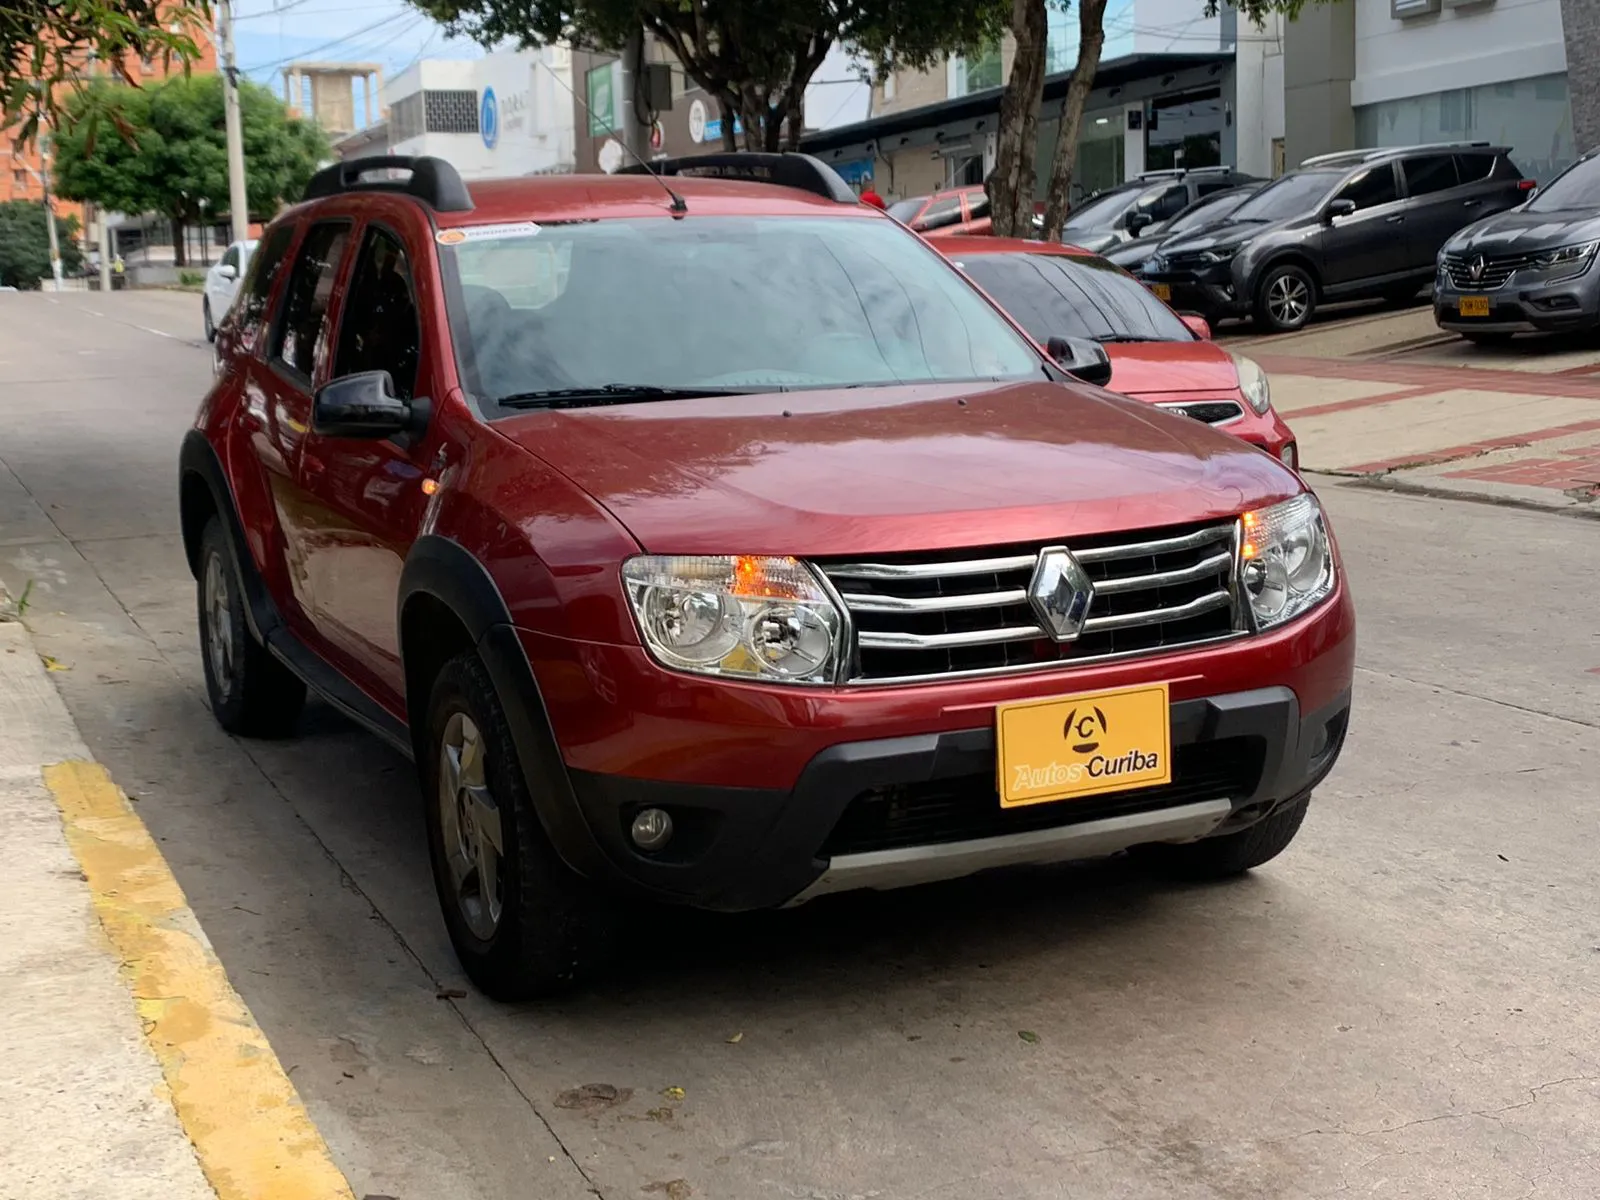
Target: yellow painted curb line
point(248, 1126)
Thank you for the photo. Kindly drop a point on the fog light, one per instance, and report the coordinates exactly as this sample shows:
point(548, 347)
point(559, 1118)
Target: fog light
point(1290, 457)
point(652, 829)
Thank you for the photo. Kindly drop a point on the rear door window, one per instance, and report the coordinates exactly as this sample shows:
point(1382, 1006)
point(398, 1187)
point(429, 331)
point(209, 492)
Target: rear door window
point(302, 331)
point(1430, 173)
point(256, 290)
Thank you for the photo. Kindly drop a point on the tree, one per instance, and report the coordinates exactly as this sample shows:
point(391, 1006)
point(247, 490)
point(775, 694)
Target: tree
point(168, 151)
point(45, 44)
point(754, 56)
point(1011, 185)
point(25, 244)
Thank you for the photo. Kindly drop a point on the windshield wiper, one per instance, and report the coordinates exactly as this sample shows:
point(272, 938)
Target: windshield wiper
point(615, 393)
point(1129, 337)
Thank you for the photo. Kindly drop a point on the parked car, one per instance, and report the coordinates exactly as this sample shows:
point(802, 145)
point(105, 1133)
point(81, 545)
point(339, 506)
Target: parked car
point(1156, 356)
point(961, 210)
point(1205, 213)
point(1133, 209)
point(852, 587)
point(1529, 269)
point(222, 284)
point(1347, 226)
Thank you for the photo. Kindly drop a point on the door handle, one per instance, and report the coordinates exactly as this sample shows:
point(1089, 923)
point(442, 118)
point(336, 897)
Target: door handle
point(1395, 220)
point(1471, 203)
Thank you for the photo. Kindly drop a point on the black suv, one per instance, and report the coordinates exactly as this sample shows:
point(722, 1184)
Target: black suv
point(1347, 226)
point(1143, 206)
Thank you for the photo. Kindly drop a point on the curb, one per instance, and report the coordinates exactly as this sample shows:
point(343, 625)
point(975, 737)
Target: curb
point(1563, 507)
point(227, 1104)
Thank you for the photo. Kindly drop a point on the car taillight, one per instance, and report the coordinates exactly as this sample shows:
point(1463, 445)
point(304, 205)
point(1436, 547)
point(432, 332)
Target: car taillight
point(1527, 185)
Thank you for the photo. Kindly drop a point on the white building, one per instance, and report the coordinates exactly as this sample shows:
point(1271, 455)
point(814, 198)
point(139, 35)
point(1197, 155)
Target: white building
point(508, 113)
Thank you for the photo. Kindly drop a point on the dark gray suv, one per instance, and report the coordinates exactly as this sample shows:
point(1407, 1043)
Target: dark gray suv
point(1348, 226)
point(1530, 269)
point(1143, 206)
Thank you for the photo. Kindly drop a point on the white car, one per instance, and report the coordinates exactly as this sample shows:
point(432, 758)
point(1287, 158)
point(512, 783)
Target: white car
point(222, 284)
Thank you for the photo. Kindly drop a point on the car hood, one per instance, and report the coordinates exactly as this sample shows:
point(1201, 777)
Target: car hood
point(876, 470)
point(1133, 251)
point(1092, 240)
point(1220, 236)
point(1160, 368)
point(1521, 232)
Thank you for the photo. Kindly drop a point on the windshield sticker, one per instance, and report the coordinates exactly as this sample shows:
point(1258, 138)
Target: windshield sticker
point(479, 233)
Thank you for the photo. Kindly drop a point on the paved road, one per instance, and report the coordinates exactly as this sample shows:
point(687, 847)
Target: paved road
point(1405, 1004)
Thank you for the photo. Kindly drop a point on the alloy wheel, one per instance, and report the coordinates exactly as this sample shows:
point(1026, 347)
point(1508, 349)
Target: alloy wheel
point(218, 604)
point(469, 820)
point(1288, 299)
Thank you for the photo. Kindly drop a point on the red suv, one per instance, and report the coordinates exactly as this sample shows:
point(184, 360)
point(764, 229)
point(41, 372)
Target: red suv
point(1056, 291)
point(714, 541)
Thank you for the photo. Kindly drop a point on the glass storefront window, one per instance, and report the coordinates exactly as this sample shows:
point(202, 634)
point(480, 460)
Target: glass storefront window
point(1532, 116)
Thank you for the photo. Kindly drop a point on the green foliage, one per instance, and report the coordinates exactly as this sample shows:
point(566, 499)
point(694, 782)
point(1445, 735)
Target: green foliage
point(25, 244)
point(191, 279)
point(162, 148)
point(45, 44)
point(754, 56)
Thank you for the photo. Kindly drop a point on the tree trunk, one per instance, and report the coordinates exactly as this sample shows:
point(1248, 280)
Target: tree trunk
point(728, 107)
point(180, 257)
point(1091, 37)
point(1010, 187)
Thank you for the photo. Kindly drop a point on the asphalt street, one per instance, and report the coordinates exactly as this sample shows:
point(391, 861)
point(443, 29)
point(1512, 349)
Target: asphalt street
point(1406, 1004)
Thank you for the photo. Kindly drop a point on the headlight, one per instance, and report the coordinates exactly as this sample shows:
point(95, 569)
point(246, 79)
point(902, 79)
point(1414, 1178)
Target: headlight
point(1285, 560)
point(1566, 256)
point(1220, 254)
point(736, 616)
point(1253, 383)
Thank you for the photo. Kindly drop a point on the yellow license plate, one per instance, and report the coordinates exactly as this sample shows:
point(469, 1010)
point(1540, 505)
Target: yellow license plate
point(1473, 306)
point(1162, 291)
point(1083, 745)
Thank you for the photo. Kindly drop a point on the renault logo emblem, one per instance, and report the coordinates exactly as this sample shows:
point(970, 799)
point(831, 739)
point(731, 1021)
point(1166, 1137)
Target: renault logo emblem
point(1060, 593)
point(1475, 268)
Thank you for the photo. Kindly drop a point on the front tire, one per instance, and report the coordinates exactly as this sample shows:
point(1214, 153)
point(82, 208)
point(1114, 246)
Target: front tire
point(205, 312)
point(523, 924)
point(251, 693)
point(1285, 298)
point(1229, 854)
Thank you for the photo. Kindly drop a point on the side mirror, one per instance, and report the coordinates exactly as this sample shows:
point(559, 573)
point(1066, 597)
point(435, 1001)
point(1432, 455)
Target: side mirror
point(363, 406)
point(1081, 358)
point(1338, 208)
point(1197, 325)
point(228, 270)
point(1138, 222)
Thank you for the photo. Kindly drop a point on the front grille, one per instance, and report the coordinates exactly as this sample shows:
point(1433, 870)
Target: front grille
point(1495, 270)
point(917, 616)
point(967, 806)
point(1186, 262)
point(1211, 412)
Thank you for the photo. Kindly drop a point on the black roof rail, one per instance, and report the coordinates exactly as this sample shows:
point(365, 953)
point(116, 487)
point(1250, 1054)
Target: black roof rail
point(1179, 172)
point(432, 180)
point(1375, 152)
point(782, 170)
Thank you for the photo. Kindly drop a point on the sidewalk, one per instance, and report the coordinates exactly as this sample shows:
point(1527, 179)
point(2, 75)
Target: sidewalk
point(1377, 399)
point(133, 1069)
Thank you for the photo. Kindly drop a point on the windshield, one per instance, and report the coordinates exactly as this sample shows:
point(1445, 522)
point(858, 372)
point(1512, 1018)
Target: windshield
point(904, 210)
point(1292, 196)
point(1576, 187)
point(1058, 295)
point(1213, 208)
point(1102, 210)
point(718, 304)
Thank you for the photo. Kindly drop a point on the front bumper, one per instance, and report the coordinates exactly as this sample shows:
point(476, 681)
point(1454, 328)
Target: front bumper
point(779, 794)
point(1210, 291)
point(1265, 430)
point(1537, 307)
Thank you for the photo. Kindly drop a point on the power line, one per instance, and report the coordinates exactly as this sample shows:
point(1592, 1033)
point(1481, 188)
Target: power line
point(355, 33)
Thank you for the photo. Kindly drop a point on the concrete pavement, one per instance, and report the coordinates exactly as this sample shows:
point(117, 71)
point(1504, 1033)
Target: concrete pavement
point(1404, 1005)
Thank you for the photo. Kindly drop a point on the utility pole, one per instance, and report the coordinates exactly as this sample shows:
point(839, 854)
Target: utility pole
point(635, 137)
point(105, 250)
point(49, 209)
point(238, 200)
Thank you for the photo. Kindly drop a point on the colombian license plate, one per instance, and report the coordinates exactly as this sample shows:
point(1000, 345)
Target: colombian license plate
point(1473, 306)
point(1083, 745)
point(1162, 291)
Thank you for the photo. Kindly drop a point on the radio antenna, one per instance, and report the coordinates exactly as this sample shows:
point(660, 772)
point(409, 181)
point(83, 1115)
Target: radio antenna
point(677, 205)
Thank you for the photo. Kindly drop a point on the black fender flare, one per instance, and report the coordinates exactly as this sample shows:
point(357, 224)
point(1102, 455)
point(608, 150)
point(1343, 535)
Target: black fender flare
point(198, 461)
point(1276, 258)
point(445, 571)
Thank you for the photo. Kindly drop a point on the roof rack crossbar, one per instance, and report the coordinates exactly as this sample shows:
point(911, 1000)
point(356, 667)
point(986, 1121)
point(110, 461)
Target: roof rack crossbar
point(1180, 171)
point(432, 180)
point(782, 170)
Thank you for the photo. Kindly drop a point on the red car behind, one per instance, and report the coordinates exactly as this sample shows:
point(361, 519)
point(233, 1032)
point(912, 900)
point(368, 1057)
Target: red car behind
point(1061, 291)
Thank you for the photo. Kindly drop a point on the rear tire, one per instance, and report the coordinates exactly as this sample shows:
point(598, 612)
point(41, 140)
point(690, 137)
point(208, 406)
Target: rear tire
point(251, 693)
point(1285, 298)
point(523, 924)
point(1231, 853)
point(205, 311)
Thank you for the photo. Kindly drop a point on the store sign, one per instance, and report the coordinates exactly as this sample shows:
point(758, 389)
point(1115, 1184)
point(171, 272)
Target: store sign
point(602, 102)
point(489, 119)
